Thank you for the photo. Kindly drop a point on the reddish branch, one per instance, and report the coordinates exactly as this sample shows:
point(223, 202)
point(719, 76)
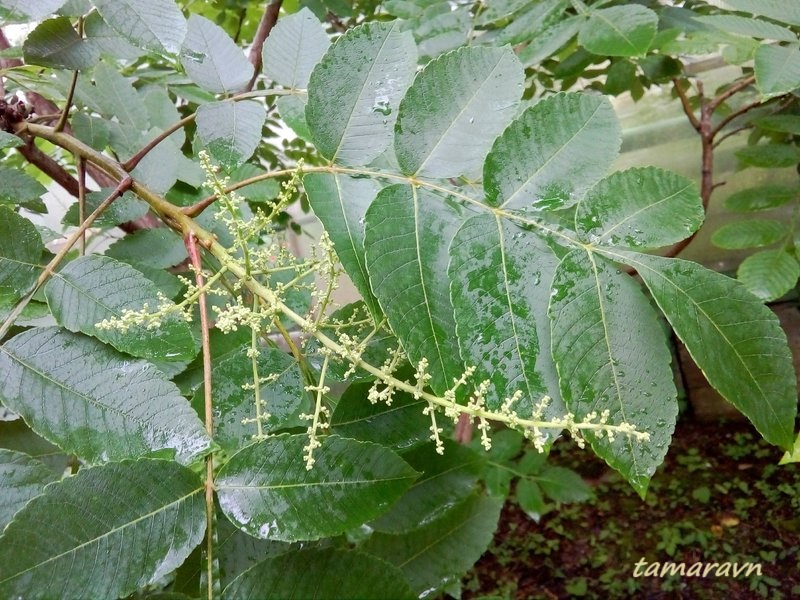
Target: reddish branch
point(268, 20)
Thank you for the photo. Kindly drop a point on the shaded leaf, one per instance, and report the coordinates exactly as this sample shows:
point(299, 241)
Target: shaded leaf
point(23, 11)
point(266, 489)
point(500, 279)
point(16, 435)
point(446, 480)
point(106, 40)
point(211, 58)
point(455, 109)
point(292, 110)
point(320, 574)
point(408, 231)
point(530, 21)
point(93, 402)
point(530, 499)
point(769, 155)
point(735, 340)
point(123, 209)
point(128, 525)
point(611, 355)
point(769, 274)
point(20, 249)
point(400, 426)
point(755, 28)
point(92, 131)
point(355, 89)
point(341, 203)
point(93, 288)
point(563, 485)
point(19, 189)
point(157, 25)
point(762, 197)
point(22, 477)
point(436, 555)
point(777, 69)
point(550, 155)
point(159, 248)
point(293, 48)
point(234, 406)
point(785, 11)
point(646, 207)
point(753, 233)
point(54, 43)
point(550, 40)
point(782, 123)
point(9, 140)
point(231, 130)
point(619, 31)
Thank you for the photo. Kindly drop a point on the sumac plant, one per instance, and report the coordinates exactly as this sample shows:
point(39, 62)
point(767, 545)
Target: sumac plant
point(171, 426)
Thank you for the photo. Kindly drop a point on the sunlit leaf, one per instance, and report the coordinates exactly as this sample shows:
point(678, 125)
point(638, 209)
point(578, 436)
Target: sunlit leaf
point(109, 531)
point(93, 402)
point(266, 489)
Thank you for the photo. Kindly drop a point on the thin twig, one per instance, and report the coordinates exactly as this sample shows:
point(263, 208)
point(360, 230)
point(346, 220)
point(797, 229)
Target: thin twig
point(736, 87)
point(50, 268)
point(735, 114)
point(194, 256)
point(62, 118)
point(82, 201)
point(268, 20)
point(687, 107)
point(130, 164)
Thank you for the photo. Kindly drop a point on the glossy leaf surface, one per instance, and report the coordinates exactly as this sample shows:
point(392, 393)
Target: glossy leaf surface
point(93, 288)
point(646, 207)
point(552, 153)
point(266, 489)
point(735, 340)
point(355, 89)
point(408, 232)
point(609, 357)
point(455, 109)
point(93, 402)
point(128, 524)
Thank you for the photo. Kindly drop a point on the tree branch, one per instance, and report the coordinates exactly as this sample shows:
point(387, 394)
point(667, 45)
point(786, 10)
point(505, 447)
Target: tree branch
point(268, 20)
point(736, 87)
point(737, 113)
point(687, 107)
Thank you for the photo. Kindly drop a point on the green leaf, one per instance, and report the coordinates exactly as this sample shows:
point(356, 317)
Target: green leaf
point(54, 43)
point(777, 70)
point(619, 31)
point(93, 131)
point(231, 130)
point(563, 485)
point(234, 406)
point(736, 341)
point(640, 208)
point(753, 233)
point(9, 140)
point(16, 435)
point(447, 480)
point(22, 477)
point(20, 249)
point(320, 574)
point(782, 123)
point(785, 11)
point(550, 40)
point(110, 530)
point(93, 402)
point(341, 203)
point(158, 248)
point(292, 110)
point(455, 109)
point(93, 288)
point(610, 356)
point(266, 490)
point(123, 209)
point(156, 25)
point(769, 155)
point(530, 499)
point(212, 60)
point(408, 231)
point(102, 36)
point(529, 22)
point(113, 95)
point(500, 279)
point(793, 455)
point(755, 28)
point(769, 274)
point(20, 189)
point(441, 29)
point(620, 78)
point(762, 197)
point(294, 47)
point(436, 555)
point(400, 426)
point(550, 155)
point(354, 91)
point(23, 11)
point(260, 192)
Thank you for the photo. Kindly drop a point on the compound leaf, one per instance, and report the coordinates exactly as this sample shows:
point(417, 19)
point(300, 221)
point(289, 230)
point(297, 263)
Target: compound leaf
point(293, 48)
point(20, 250)
point(231, 130)
point(212, 60)
point(22, 477)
